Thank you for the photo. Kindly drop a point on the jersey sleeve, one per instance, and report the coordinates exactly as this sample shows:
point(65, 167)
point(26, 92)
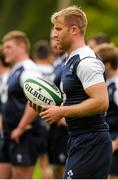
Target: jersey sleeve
point(116, 97)
point(90, 72)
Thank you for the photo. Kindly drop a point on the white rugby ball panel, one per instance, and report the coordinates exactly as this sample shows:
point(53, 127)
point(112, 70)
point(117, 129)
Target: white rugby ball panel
point(34, 95)
point(50, 86)
point(51, 89)
point(41, 92)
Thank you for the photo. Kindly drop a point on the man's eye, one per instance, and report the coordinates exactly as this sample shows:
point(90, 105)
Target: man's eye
point(58, 29)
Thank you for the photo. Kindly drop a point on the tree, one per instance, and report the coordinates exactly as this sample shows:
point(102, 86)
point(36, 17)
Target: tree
point(33, 17)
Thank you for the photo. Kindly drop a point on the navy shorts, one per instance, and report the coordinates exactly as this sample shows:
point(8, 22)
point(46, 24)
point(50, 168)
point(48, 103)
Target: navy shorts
point(57, 144)
point(27, 151)
point(89, 156)
point(114, 165)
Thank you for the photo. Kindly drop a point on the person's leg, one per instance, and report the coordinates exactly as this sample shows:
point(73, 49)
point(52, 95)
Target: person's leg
point(5, 171)
point(46, 171)
point(5, 166)
point(112, 177)
point(57, 149)
point(22, 172)
point(58, 171)
point(23, 156)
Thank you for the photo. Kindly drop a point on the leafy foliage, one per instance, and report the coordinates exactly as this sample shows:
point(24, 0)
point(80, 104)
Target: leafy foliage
point(33, 17)
point(102, 16)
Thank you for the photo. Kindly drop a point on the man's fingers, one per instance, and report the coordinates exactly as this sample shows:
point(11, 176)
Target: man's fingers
point(35, 107)
point(43, 113)
point(30, 103)
point(17, 140)
point(38, 108)
point(45, 108)
point(49, 121)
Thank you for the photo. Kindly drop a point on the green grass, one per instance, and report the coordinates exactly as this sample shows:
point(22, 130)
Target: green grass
point(37, 171)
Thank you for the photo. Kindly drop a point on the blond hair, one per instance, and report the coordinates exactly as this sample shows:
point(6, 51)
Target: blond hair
point(18, 37)
point(72, 15)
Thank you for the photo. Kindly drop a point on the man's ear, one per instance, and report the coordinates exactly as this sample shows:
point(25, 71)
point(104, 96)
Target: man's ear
point(75, 30)
point(107, 66)
point(22, 46)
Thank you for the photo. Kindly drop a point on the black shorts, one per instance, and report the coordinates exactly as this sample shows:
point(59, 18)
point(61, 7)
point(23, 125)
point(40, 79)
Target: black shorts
point(89, 156)
point(27, 151)
point(114, 166)
point(57, 144)
point(1, 140)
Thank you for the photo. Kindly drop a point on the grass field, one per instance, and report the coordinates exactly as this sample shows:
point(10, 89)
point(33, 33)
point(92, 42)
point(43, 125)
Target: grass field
point(37, 173)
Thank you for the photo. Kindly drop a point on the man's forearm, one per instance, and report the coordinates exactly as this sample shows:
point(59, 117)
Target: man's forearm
point(28, 117)
point(86, 108)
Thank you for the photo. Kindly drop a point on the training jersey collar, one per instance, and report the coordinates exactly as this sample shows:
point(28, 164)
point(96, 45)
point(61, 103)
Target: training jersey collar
point(77, 51)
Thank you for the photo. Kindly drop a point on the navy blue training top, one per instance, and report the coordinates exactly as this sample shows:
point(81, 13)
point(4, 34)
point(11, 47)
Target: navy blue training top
point(75, 94)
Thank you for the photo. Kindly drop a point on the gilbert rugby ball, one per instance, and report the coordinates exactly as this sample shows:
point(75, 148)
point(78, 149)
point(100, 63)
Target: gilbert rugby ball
point(42, 92)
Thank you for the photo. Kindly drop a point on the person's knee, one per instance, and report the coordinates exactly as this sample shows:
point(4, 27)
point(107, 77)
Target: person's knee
point(58, 171)
point(5, 171)
point(22, 172)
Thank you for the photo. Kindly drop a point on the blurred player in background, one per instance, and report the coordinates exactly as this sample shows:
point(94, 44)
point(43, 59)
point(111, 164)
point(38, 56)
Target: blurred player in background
point(43, 56)
point(58, 131)
point(4, 71)
point(22, 144)
point(109, 56)
point(98, 39)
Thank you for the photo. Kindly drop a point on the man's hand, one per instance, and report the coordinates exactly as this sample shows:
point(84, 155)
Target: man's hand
point(115, 145)
point(16, 133)
point(35, 107)
point(62, 122)
point(51, 114)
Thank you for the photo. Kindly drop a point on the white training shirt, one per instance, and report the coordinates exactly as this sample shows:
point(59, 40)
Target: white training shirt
point(30, 70)
point(89, 71)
